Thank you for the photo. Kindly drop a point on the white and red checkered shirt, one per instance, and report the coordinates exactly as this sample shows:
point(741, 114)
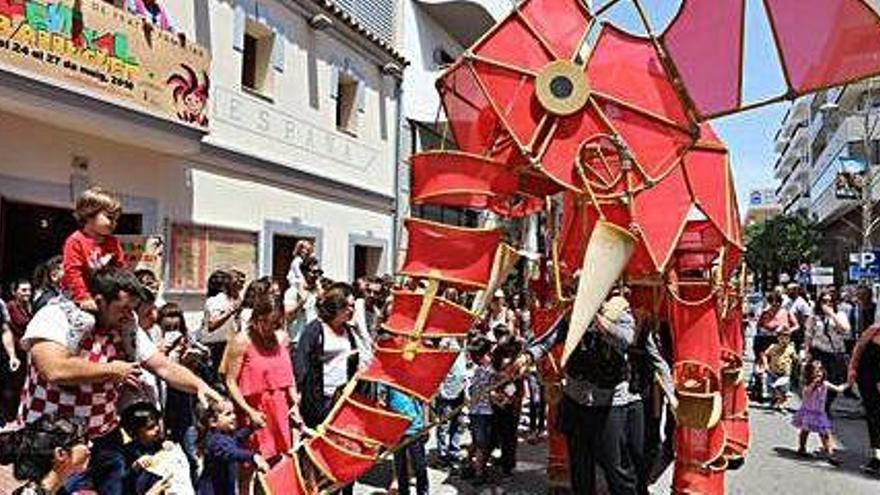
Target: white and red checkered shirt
point(93, 402)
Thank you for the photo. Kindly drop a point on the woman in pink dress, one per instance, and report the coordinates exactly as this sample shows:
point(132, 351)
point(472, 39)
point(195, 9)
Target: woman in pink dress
point(260, 377)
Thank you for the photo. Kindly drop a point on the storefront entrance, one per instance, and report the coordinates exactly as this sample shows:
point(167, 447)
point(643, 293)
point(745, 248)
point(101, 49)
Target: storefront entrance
point(282, 255)
point(33, 233)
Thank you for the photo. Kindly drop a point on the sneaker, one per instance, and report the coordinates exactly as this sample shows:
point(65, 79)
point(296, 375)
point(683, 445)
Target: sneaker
point(872, 467)
point(803, 454)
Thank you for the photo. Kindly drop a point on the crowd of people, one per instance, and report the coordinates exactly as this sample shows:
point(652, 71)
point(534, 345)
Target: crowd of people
point(821, 348)
point(106, 388)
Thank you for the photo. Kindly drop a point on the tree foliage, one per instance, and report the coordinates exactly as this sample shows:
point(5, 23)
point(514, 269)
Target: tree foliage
point(780, 245)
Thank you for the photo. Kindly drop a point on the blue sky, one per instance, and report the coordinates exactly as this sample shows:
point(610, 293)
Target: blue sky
point(749, 135)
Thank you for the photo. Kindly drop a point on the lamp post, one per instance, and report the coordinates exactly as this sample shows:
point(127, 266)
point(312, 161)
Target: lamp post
point(869, 223)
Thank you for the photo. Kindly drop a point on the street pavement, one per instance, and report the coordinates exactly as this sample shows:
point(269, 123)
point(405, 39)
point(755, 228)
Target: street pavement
point(771, 467)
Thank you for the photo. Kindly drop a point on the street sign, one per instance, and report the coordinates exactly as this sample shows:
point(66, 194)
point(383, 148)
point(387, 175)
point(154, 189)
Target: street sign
point(855, 273)
point(867, 265)
point(822, 275)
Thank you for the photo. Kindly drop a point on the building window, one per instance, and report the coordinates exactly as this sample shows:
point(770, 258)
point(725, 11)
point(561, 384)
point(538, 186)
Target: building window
point(442, 58)
point(346, 103)
point(256, 73)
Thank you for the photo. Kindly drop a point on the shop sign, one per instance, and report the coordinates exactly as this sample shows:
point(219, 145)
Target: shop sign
point(822, 275)
point(144, 252)
point(93, 47)
point(251, 115)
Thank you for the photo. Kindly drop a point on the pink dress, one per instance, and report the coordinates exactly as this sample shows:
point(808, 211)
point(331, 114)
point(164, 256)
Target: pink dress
point(265, 377)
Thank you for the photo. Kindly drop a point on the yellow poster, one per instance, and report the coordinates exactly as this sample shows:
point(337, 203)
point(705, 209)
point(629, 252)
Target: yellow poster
point(105, 52)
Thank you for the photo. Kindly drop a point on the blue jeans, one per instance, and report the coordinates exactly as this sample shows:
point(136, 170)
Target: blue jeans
point(415, 454)
point(448, 433)
point(107, 469)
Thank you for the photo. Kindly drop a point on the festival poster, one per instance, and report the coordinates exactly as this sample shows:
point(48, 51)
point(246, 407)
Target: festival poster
point(144, 252)
point(197, 250)
point(103, 51)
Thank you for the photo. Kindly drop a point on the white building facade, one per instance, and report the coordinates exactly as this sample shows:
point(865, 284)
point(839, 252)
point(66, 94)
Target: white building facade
point(297, 138)
point(435, 33)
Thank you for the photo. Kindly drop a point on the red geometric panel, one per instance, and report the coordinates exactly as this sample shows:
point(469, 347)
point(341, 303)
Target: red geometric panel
point(694, 480)
point(695, 333)
point(703, 33)
point(420, 376)
point(627, 68)
point(465, 258)
point(545, 320)
point(661, 227)
point(697, 446)
point(445, 319)
point(341, 463)
point(284, 478)
point(360, 418)
point(454, 178)
point(474, 124)
point(513, 96)
point(562, 24)
point(838, 41)
point(708, 174)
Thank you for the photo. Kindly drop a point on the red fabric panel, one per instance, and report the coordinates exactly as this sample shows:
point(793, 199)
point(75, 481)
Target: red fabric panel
point(342, 464)
point(517, 207)
point(513, 43)
point(537, 184)
point(734, 400)
point(661, 226)
point(466, 257)
point(573, 235)
point(562, 23)
point(708, 174)
point(627, 67)
point(570, 132)
point(283, 478)
point(363, 418)
point(544, 320)
point(700, 447)
point(444, 318)
point(691, 480)
point(838, 41)
point(656, 147)
point(513, 94)
point(703, 34)
point(731, 330)
point(738, 436)
point(458, 179)
point(695, 333)
point(473, 122)
point(420, 377)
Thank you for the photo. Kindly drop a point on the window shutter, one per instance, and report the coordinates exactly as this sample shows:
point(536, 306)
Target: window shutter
point(361, 95)
point(334, 80)
point(239, 27)
point(278, 44)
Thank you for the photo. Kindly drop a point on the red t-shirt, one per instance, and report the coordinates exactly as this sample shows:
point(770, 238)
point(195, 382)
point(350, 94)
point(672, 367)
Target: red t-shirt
point(82, 255)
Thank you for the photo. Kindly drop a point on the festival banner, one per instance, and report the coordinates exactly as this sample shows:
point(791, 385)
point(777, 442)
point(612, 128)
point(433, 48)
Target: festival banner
point(105, 52)
point(144, 252)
